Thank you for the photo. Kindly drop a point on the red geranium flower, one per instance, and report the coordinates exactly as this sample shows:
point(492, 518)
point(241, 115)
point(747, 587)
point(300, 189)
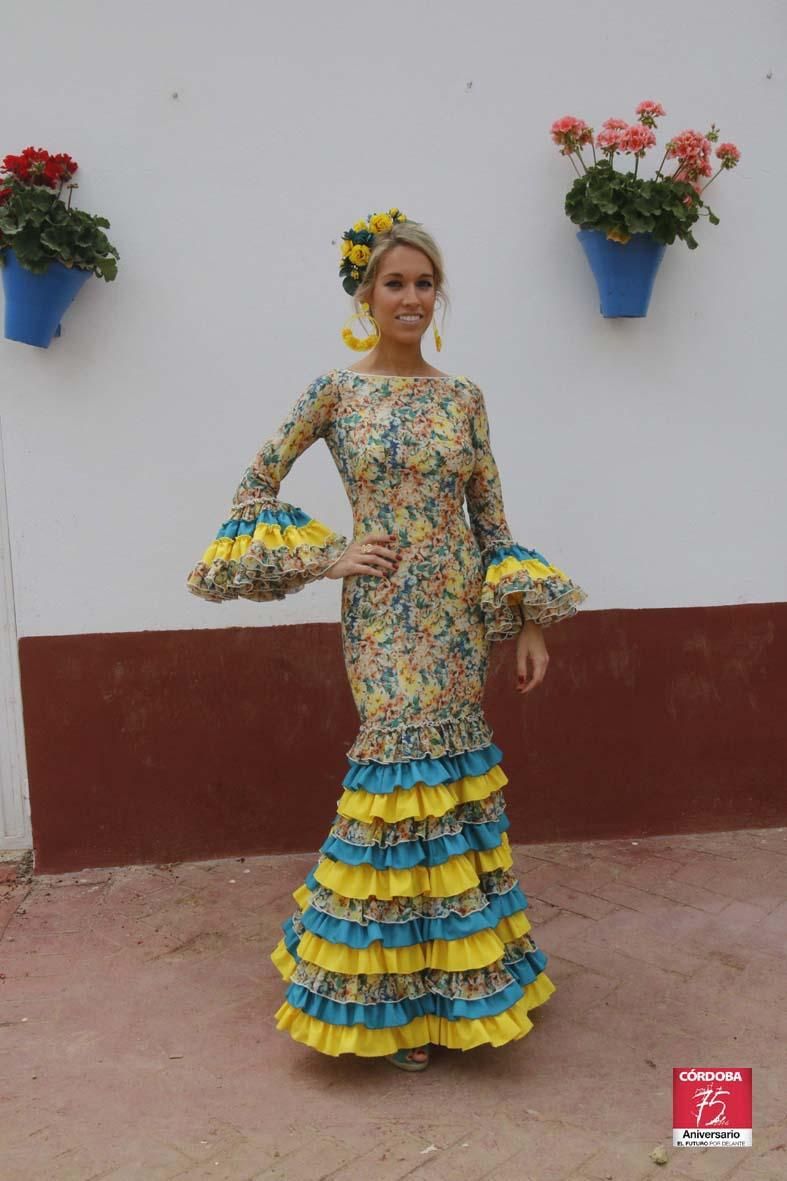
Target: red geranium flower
point(36, 166)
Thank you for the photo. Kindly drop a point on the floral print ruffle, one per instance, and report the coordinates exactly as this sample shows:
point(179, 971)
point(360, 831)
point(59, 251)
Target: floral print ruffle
point(259, 554)
point(377, 989)
point(522, 583)
point(444, 733)
point(431, 828)
point(404, 910)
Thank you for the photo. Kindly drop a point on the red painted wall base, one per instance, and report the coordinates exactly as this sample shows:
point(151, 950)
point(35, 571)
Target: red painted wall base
point(165, 746)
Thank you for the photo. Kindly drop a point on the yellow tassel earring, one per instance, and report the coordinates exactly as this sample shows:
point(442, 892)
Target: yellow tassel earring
point(362, 343)
point(438, 340)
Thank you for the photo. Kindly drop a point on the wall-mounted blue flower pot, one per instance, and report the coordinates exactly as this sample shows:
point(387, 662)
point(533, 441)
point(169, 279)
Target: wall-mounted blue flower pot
point(35, 304)
point(624, 272)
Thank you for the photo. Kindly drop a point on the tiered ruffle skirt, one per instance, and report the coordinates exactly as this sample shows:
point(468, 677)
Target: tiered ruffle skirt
point(411, 927)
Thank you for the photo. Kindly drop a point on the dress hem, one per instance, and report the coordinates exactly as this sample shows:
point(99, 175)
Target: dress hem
point(463, 1033)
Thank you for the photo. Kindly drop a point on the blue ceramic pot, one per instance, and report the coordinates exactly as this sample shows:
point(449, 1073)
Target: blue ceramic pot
point(35, 304)
point(624, 273)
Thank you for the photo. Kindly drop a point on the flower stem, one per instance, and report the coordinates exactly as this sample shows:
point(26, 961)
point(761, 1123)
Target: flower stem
point(636, 165)
point(710, 182)
point(661, 165)
point(56, 197)
point(573, 165)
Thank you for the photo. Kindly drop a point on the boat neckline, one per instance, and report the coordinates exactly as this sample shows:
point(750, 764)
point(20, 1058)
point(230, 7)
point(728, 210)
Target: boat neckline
point(404, 376)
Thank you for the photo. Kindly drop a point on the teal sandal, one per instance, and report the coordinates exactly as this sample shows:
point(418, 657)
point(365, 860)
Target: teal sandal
point(404, 1061)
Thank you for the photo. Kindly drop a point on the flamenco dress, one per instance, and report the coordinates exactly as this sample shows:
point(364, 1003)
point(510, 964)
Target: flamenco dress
point(411, 927)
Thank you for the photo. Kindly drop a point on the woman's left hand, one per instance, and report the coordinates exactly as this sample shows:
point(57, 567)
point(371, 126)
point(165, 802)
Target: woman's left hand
point(530, 643)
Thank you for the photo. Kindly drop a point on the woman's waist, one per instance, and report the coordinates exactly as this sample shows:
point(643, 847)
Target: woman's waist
point(416, 534)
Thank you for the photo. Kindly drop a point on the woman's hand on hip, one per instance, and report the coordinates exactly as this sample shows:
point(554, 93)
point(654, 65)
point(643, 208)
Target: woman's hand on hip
point(530, 646)
point(371, 554)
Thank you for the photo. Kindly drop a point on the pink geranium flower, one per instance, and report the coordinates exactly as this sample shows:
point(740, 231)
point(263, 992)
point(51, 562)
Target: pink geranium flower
point(637, 139)
point(649, 112)
point(728, 154)
point(689, 145)
point(692, 150)
point(570, 134)
point(608, 139)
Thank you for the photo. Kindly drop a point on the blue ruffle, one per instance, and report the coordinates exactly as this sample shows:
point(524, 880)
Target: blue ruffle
point(391, 1013)
point(408, 854)
point(515, 551)
point(453, 926)
point(291, 938)
point(383, 778)
point(266, 516)
point(530, 966)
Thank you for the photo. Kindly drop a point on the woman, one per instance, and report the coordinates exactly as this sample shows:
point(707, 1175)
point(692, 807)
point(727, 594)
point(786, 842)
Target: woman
point(411, 928)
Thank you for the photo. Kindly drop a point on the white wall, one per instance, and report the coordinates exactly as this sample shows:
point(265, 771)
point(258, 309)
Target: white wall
point(646, 457)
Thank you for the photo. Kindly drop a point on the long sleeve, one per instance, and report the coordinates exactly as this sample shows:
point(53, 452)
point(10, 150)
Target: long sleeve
point(520, 584)
point(268, 548)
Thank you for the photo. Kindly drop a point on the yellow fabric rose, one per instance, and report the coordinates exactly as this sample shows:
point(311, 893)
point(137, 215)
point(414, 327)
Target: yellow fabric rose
point(360, 225)
point(346, 247)
point(360, 255)
point(380, 223)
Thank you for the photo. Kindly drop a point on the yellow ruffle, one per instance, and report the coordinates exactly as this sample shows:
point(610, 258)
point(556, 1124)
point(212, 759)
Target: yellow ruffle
point(271, 536)
point(418, 802)
point(447, 955)
point(532, 566)
point(463, 1034)
point(454, 876)
point(283, 960)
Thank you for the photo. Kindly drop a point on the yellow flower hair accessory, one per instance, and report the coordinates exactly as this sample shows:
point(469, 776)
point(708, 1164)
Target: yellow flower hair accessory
point(357, 244)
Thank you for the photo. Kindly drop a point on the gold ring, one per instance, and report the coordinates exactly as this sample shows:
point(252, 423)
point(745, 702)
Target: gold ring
point(366, 548)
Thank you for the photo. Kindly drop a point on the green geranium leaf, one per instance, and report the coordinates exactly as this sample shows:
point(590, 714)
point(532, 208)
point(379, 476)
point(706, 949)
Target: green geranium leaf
point(637, 223)
point(605, 198)
point(42, 228)
point(107, 268)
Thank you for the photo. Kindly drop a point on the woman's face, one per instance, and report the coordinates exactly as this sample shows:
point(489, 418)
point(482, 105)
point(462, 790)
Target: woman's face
point(403, 297)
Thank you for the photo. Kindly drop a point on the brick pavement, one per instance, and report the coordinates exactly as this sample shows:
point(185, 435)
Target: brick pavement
point(138, 1042)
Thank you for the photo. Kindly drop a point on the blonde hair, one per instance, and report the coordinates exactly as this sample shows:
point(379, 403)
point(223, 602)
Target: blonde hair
point(402, 233)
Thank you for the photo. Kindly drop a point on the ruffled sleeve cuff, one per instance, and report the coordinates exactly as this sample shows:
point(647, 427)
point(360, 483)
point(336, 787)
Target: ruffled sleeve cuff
point(519, 585)
point(265, 553)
